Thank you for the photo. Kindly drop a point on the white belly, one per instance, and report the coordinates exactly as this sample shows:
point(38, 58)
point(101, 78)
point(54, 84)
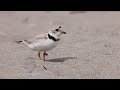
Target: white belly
point(43, 45)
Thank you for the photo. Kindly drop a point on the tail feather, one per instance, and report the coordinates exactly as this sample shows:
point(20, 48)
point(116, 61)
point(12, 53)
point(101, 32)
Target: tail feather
point(18, 42)
point(23, 41)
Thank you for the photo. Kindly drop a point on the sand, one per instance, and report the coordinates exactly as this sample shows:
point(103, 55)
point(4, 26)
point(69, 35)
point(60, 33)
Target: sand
point(90, 50)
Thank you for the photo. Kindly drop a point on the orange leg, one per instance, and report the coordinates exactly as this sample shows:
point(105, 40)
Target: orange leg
point(44, 54)
point(39, 55)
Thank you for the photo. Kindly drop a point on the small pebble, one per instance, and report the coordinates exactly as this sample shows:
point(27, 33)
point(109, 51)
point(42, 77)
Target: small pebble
point(45, 68)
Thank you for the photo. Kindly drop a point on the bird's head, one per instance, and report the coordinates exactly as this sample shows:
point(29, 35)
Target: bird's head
point(56, 31)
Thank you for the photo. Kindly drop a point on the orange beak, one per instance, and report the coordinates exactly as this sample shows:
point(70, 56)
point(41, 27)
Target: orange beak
point(62, 32)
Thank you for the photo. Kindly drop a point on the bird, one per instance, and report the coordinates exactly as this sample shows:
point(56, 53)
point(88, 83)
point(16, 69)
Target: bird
point(44, 42)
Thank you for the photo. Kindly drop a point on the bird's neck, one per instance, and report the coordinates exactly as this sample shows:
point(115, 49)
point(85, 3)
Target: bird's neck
point(53, 37)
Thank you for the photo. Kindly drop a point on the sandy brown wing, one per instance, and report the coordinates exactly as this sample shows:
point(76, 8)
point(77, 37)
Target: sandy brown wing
point(41, 36)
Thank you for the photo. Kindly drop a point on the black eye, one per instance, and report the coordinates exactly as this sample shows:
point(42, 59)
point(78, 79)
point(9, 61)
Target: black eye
point(57, 30)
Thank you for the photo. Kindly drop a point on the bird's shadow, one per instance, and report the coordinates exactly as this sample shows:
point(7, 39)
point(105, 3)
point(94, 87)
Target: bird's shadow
point(60, 59)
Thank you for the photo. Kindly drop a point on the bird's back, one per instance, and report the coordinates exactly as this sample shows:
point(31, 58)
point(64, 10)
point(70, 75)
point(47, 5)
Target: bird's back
point(43, 44)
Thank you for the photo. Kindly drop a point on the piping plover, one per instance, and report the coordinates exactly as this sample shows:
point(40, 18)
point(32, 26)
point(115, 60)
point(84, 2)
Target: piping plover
point(44, 42)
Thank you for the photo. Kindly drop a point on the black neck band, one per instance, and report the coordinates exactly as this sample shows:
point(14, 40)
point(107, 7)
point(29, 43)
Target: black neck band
point(53, 38)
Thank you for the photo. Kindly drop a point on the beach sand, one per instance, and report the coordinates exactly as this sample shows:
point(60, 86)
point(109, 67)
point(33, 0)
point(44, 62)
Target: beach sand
point(90, 50)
